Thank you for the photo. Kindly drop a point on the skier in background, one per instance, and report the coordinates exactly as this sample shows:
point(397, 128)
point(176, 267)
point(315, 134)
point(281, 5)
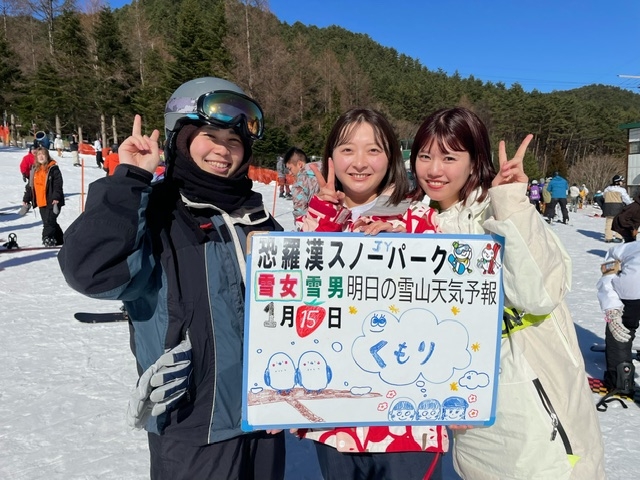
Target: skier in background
point(558, 187)
point(615, 197)
point(535, 194)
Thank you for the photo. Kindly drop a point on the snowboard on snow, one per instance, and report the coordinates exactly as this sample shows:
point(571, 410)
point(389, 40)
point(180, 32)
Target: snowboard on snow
point(27, 249)
point(597, 386)
point(12, 246)
point(110, 317)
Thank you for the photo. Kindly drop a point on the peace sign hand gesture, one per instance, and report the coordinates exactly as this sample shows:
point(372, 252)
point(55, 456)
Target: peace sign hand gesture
point(328, 191)
point(512, 171)
point(140, 150)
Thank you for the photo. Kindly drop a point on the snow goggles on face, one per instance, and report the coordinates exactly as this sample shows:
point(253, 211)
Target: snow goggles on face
point(229, 109)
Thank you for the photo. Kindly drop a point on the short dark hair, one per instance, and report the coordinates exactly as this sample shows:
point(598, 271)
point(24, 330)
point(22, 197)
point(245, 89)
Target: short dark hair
point(386, 138)
point(460, 130)
point(295, 151)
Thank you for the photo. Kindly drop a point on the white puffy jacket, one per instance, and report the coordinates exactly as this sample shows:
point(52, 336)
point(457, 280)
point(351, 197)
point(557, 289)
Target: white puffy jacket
point(626, 284)
point(546, 423)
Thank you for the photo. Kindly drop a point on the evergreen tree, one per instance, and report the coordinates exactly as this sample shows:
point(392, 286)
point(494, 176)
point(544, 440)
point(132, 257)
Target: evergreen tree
point(150, 98)
point(275, 142)
point(44, 97)
point(198, 46)
point(303, 76)
point(72, 66)
point(557, 162)
point(10, 75)
point(114, 81)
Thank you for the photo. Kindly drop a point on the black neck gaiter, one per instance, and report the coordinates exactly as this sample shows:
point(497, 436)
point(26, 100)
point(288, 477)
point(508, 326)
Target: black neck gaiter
point(226, 193)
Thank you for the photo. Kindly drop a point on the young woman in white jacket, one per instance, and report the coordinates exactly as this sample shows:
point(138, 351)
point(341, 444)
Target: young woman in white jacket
point(546, 423)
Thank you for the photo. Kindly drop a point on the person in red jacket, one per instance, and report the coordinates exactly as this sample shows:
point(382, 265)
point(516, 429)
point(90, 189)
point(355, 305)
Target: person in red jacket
point(26, 163)
point(25, 168)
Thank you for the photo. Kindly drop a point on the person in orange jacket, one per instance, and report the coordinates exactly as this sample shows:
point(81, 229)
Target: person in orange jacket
point(45, 192)
point(112, 160)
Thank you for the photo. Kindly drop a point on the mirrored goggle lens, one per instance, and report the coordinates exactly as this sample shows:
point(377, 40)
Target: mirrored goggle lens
point(230, 108)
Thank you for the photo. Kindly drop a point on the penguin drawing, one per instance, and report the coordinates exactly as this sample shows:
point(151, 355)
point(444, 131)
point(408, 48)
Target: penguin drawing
point(280, 373)
point(313, 372)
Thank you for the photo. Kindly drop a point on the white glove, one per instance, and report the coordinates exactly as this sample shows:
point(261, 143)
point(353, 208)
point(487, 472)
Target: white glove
point(616, 327)
point(162, 385)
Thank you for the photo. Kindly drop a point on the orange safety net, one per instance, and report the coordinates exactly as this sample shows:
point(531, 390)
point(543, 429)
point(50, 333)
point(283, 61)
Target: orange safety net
point(86, 149)
point(266, 176)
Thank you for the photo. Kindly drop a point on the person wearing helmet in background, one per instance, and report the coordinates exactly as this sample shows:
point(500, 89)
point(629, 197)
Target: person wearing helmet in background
point(535, 194)
point(598, 199)
point(615, 197)
point(174, 252)
point(584, 196)
point(58, 144)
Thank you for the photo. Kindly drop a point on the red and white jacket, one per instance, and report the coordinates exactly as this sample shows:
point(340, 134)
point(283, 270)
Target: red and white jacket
point(415, 217)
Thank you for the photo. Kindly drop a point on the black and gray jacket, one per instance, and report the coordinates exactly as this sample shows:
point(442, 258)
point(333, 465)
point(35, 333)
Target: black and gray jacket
point(177, 266)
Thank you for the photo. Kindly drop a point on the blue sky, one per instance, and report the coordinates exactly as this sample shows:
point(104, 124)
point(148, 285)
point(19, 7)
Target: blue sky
point(543, 44)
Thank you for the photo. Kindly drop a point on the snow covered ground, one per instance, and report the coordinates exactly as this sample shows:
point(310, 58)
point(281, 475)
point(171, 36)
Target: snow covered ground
point(64, 385)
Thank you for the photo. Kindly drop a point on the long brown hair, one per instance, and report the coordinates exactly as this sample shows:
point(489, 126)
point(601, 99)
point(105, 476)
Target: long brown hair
point(460, 130)
point(46, 153)
point(386, 139)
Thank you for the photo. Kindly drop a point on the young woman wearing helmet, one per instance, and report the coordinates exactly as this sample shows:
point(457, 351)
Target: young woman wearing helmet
point(174, 253)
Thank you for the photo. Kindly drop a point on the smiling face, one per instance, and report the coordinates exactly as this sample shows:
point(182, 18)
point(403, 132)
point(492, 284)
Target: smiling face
point(217, 151)
point(442, 174)
point(360, 165)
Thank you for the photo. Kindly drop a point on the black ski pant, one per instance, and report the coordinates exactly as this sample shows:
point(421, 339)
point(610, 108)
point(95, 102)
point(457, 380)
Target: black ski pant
point(550, 209)
point(50, 226)
point(618, 352)
point(99, 160)
point(254, 456)
point(337, 465)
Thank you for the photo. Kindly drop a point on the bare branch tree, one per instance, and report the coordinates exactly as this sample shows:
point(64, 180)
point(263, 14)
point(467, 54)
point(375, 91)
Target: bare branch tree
point(46, 11)
point(595, 171)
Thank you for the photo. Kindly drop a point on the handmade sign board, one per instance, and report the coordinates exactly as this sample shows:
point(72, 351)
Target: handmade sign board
point(346, 329)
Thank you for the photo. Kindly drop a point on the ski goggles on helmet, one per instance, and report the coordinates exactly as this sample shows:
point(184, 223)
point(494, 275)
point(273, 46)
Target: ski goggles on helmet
point(228, 109)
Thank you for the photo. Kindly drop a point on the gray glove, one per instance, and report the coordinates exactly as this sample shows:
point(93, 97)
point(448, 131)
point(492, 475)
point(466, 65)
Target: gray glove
point(162, 385)
point(615, 325)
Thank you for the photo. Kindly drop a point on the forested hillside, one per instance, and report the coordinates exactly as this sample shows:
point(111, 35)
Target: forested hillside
point(63, 70)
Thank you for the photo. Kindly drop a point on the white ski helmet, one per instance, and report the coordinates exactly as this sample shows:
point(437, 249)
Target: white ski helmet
point(212, 101)
point(190, 104)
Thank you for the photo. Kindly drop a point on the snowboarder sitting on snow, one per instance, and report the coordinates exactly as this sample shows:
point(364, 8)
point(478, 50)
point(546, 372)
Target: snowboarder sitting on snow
point(619, 297)
point(173, 251)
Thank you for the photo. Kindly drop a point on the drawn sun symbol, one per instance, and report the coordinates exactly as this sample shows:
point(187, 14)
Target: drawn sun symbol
point(453, 386)
point(475, 347)
point(353, 310)
point(393, 309)
point(455, 310)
